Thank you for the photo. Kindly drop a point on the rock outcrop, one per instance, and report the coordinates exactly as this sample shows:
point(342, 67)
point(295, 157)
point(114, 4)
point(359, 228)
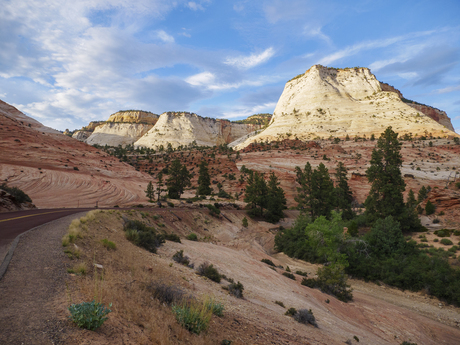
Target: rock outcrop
point(183, 129)
point(81, 135)
point(122, 128)
point(436, 114)
point(9, 203)
point(326, 102)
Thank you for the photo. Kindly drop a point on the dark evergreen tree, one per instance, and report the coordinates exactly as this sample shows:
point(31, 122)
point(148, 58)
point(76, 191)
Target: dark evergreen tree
point(322, 193)
point(159, 185)
point(204, 180)
point(422, 194)
point(303, 178)
point(150, 193)
point(178, 179)
point(256, 193)
point(276, 200)
point(343, 194)
point(387, 185)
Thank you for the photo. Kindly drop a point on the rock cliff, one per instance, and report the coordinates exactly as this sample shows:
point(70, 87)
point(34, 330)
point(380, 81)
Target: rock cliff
point(183, 128)
point(436, 114)
point(326, 102)
point(122, 128)
point(81, 135)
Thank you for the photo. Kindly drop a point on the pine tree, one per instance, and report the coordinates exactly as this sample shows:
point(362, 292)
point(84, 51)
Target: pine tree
point(343, 194)
point(178, 179)
point(422, 194)
point(387, 185)
point(303, 178)
point(322, 193)
point(204, 180)
point(256, 193)
point(276, 200)
point(159, 185)
point(150, 193)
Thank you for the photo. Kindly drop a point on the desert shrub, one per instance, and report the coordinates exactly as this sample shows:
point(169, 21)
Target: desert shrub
point(281, 304)
point(108, 244)
point(356, 338)
point(442, 233)
point(436, 221)
point(172, 237)
point(291, 312)
point(429, 208)
point(456, 232)
point(17, 193)
point(213, 210)
point(215, 307)
point(407, 343)
point(180, 258)
point(89, 315)
point(305, 316)
point(209, 271)
point(446, 242)
point(170, 204)
point(245, 222)
point(79, 268)
point(193, 316)
point(168, 294)
point(268, 262)
point(301, 273)
point(288, 269)
point(289, 275)
point(192, 237)
point(143, 236)
point(236, 289)
point(457, 185)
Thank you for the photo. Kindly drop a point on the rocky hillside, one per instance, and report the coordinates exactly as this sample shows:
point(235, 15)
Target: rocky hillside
point(183, 128)
point(122, 128)
point(326, 102)
point(58, 171)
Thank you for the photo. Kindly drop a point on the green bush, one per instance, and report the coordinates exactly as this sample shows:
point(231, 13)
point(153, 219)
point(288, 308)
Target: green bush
point(245, 222)
point(236, 289)
point(301, 273)
point(192, 237)
point(289, 275)
point(446, 242)
point(192, 316)
point(180, 258)
point(291, 312)
point(213, 210)
point(281, 304)
point(17, 193)
point(305, 316)
point(215, 307)
point(108, 244)
point(209, 271)
point(268, 262)
point(172, 237)
point(143, 236)
point(89, 315)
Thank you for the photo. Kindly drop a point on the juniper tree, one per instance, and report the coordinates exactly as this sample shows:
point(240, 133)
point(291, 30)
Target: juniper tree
point(256, 193)
point(178, 179)
point(322, 193)
point(204, 180)
point(303, 178)
point(159, 185)
point(343, 194)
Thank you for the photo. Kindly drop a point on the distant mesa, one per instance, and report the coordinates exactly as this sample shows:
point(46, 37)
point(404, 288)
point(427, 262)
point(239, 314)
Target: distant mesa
point(325, 102)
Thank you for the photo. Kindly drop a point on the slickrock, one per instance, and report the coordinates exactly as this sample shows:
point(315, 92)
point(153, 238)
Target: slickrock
point(183, 128)
point(326, 102)
point(123, 128)
point(58, 171)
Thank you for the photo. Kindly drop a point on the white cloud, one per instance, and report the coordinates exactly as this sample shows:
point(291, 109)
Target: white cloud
point(447, 90)
point(194, 6)
point(162, 35)
point(201, 79)
point(244, 112)
point(316, 32)
point(246, 62)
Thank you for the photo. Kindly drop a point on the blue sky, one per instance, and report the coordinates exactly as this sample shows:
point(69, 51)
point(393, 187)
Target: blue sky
point(66, 63)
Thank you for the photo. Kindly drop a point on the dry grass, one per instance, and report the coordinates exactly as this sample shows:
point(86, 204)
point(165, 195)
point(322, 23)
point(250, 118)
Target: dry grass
point(123, 281)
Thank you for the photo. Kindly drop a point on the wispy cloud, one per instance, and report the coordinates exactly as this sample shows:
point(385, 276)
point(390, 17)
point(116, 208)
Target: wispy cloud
point(245, 112)
point(447, 90)
point(246, 62)
point(317, 33)
point(162, 35)
point(194, 6)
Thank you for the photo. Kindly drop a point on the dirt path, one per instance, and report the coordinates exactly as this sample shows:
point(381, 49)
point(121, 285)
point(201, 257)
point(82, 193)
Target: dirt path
point(28, 290)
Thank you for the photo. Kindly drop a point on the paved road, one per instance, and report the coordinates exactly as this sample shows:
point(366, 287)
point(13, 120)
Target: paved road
point(13, 224)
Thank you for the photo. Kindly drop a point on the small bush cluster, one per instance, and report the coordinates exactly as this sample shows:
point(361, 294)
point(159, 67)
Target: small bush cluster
point(192, 237)
point(236, 289)
point(305, 316)
point(213, 210)
point(167, 293)
point(143, 236)
point(180, 258)
point(89, 315)
point(209, 271)
point(172, 237)
point(289, 275)
point(108, 244)
point(281, 304)
point(301, 273)
point(17, 193)
point(268, 262)
point(215, 307)
point(331, 280)
point(446, 242)
point(194, 317)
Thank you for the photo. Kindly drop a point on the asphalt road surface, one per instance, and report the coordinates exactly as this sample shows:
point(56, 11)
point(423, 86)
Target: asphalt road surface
point(13, 224)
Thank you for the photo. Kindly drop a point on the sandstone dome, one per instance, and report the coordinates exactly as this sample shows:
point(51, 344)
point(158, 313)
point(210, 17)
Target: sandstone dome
point(325, 102)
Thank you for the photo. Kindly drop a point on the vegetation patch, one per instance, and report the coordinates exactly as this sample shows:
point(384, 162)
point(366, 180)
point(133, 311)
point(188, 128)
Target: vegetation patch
point(89, 315)
point(209, 271)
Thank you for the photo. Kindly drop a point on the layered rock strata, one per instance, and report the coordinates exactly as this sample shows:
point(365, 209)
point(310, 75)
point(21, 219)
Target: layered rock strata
point(325, 102)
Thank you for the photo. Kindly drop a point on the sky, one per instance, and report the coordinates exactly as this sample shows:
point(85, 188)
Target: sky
point(69, 62)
